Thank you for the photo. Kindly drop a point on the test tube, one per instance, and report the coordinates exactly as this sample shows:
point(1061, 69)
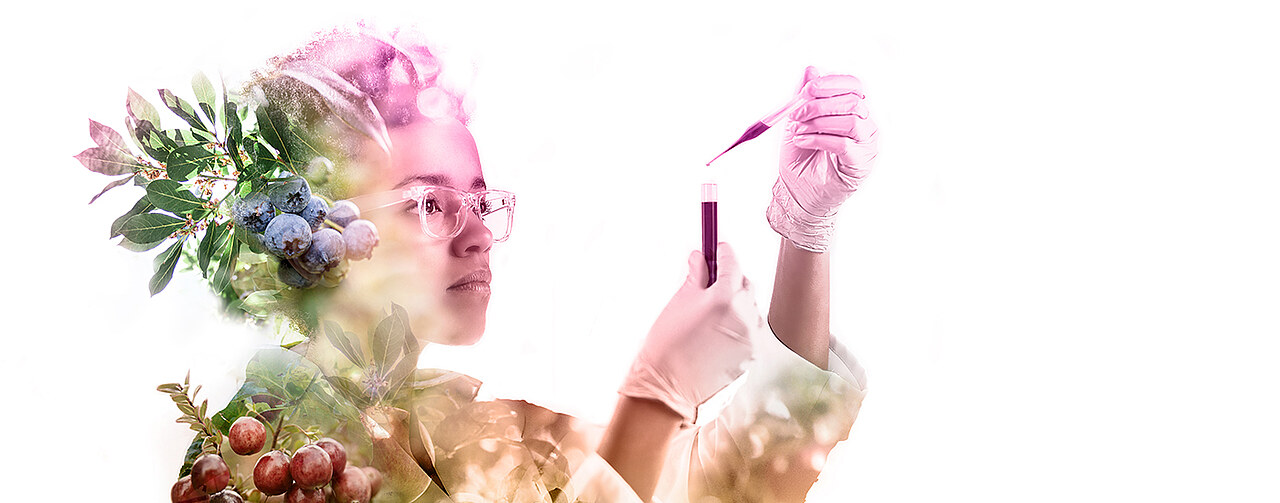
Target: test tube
point(709, 235)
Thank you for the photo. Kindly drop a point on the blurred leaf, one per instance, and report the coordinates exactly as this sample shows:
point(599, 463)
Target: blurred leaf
point(182, 109)
point(388, 339)
point(140, 110)
point(350, 390)
point(141, 181)
point(164, 265)
point(107, 138)
point(142, 206)
point(350, 105)
point(214, 236)
point(150, 227)
point(110, 186)
point(338, 338)
point(183, 161)
point(170, 196)
point(206, 97)
point(139, 247)
point(107, 161)
point(226, 266)
point(146, 137)
point(260, 303)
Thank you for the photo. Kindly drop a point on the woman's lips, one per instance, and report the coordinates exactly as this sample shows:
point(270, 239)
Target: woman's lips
point(472, 286)
point(476, 282)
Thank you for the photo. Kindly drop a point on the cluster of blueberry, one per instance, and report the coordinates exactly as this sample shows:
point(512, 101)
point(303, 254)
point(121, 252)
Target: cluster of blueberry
point(312, 239)
point(315, 473)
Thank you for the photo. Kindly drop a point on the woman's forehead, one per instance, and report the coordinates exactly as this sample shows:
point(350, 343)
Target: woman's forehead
point(439, 152)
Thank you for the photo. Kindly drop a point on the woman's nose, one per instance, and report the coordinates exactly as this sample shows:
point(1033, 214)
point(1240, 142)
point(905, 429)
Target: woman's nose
point(474, 238)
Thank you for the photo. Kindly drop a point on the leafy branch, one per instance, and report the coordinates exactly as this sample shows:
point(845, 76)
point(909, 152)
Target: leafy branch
point(183, 396)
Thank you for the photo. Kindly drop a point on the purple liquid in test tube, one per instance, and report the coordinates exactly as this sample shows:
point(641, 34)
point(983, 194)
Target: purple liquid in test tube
point(709, 235)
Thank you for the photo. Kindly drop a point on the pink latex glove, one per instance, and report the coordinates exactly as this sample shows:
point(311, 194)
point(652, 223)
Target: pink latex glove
point(702, 340)
point(829, 146)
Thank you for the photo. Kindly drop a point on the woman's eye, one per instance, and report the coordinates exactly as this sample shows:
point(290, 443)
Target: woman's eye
point(429, 206)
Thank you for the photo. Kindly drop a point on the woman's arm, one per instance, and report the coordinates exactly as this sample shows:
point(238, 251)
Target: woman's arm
point(800, 312)
point(635, 444)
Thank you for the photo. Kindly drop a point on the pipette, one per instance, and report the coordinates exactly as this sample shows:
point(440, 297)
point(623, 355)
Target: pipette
point(760, 127)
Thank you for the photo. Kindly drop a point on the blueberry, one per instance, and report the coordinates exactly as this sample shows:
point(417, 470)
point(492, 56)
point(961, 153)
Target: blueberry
point(290, 195)
point(361, 236)
point(343, 212)
point(327, 249)
point(253, 212)
point(315, 212)
point(287, 236)
point(294, 277)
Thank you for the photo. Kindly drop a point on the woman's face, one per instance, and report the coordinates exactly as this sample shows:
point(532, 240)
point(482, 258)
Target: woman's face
point(443, 284)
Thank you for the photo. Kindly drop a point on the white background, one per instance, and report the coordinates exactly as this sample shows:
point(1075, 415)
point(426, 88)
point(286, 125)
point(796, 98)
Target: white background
point(1062, 277)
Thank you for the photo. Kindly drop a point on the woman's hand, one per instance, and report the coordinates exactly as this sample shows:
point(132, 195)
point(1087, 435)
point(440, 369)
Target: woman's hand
point(828, 148)
point(702, 340)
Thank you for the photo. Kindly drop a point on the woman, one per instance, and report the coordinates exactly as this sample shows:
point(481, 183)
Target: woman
point(421, 184)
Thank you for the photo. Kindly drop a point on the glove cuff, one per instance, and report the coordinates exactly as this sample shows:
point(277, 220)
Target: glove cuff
point(643, 381)
point(806, 230)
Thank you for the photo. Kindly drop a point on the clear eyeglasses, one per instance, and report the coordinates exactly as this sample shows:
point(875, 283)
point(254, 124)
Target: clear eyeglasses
point(440, 209)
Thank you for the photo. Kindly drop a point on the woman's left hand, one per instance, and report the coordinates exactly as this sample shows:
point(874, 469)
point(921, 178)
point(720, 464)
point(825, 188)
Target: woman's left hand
point(828, 148)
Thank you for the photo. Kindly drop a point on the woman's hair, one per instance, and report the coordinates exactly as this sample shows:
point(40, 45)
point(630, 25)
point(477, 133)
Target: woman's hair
point(395, 70)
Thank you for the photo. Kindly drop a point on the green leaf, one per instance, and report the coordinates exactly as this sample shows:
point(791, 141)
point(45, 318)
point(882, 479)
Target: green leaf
point(142, 206)
point(253, 240)
point(205, 96)
point(183, 161)
point(139, 247)
point(140, 110)
point(165, 263)
point(150, 227)
point(108, 161)
point(275, 129)
point(194, 450)
point(182, 109)
point(238, 407)
point(110, 186)
point(222, 277)
point(388, 338)
point(107, 138)
point(338, 338)
point(169, 195)
point(147, 138)
point(214, 237)
point(232, 120)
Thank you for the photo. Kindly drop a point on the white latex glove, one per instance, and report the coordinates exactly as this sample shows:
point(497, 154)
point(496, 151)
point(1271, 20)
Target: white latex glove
point(829, 146)
point(702, 340)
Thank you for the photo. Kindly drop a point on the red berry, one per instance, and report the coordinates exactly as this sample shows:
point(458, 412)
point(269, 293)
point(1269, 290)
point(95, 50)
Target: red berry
point(337, 455)
point(271, 474)
point(226, 496)
point(301, 494)
point(375, 480)
point(247, 436)
point(352, 486)
point(209, 474)
point(311, 467)
point(184, 492)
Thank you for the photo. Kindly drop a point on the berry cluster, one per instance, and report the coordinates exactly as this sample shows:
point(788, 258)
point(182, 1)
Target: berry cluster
point(313, 474)
point(290, 223)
